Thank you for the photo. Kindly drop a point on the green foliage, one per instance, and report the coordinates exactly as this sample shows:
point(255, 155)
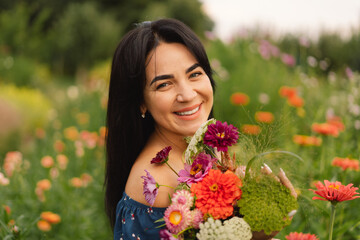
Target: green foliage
point(265, 204)
point(83, 36)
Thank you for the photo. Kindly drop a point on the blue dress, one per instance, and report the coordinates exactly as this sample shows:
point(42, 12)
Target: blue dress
point(135, 220)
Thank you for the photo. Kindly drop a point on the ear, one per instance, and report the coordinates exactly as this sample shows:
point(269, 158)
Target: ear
point(143, 108)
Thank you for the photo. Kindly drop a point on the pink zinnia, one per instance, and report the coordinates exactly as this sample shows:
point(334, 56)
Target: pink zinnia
point(301, 236)
point(162, 156)
point(177, 218)
point(334, 192)
point(197, 170)
point(150, 188)
point(221, 135)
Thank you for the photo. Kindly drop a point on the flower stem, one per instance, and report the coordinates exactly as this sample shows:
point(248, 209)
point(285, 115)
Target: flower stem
point(332, 220)
point(162, 185)
point(172, 169)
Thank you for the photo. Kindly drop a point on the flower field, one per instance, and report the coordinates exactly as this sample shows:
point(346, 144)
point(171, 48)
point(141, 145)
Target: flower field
point(52, 161)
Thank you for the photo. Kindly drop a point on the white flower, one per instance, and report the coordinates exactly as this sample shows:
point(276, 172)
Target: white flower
point(234, 228)
point(237, 228)
point(192, 148)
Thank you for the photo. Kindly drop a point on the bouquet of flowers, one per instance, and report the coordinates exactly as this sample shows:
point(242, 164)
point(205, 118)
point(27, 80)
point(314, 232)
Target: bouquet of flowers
point(217, 197)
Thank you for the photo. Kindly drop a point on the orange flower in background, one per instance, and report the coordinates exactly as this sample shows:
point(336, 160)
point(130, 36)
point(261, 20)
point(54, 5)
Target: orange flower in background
point(216, 193)
point(59, 146)
point(301, 236)
point(295, 101)
point(239, 99)
point(82, 118)
point(12, 162)
point(307, 140)
point(62, 161)
point(250, 129)
point(7, 209)
point(337, 122)
point(47, 162)
point(264, 117)
point(76, 182)
point(44, 184)
point(334, 192)
point(71, 133)
point(44, 226)
point(86, 179)
point(287, 92)
point(50, 217)
point(40, 133)
point(89, 138)
point(102, 136)
point(346, 163)
point(325, 129)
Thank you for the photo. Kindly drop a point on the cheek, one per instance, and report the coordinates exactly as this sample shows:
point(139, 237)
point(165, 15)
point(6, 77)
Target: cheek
point(158, 103)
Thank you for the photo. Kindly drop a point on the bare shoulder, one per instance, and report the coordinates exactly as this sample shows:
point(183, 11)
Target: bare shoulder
point(161, 173)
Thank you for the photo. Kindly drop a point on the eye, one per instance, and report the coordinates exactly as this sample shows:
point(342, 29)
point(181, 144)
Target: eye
point(162, 85)
point(195, 74)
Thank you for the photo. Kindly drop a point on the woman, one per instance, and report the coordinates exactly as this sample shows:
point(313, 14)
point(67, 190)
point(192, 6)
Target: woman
point(161, 90)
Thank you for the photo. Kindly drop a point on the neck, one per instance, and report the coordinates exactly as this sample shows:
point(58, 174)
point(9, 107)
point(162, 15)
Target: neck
point(177, 142)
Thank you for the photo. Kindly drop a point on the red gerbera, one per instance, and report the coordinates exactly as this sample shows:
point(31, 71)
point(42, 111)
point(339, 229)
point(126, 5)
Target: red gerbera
point(301, 236)
point(221, 135)
point(334, 191)
point(216, 193)
point(346, 163)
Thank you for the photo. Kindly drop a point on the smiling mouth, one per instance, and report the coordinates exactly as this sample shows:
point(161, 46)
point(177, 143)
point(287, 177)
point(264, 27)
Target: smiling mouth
point(187, 113)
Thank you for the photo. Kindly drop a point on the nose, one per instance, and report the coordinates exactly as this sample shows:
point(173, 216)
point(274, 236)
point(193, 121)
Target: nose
point(186, 93)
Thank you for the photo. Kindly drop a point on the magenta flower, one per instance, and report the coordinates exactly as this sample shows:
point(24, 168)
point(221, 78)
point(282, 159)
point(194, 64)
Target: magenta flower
point(221, 135)
point(150, 189)
point(197, 170)
point(166, 235)
point(162, 156)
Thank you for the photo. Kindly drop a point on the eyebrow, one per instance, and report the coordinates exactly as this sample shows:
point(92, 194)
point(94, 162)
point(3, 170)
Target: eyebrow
point(167, 76)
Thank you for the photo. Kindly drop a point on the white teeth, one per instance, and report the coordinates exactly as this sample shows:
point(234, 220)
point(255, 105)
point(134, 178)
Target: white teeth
point(188, 112)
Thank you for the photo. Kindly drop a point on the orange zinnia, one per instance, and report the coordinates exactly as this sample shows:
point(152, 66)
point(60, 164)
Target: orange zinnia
point(264, 117)
point(325, 129)
point(346, 163)
point(239, 99)
point(307, 140)
point(216, 193)
point(287, 92)
point(44, 225)
point(251, 129)
point(51, 217)
point(336, 121)
point(295, 101)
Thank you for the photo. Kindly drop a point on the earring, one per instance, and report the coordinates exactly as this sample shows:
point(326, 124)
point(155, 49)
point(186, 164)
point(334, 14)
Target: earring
point(143, 115)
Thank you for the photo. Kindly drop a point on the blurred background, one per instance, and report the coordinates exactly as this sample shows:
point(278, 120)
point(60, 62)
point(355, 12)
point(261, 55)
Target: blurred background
point(55, 59)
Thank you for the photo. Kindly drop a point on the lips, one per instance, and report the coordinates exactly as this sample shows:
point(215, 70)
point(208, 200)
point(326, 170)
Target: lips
point(188, 111)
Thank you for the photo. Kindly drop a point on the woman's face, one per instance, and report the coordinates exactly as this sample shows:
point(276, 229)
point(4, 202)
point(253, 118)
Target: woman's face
point(178, 93)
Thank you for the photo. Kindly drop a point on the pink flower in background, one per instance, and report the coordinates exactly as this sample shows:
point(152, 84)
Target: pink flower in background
point(197, 170)
point(221, 135)
point(288, 59)
point(301, 236)
point(334, 192)
point(162, 156)
point(150, 188)
point(166, 235)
